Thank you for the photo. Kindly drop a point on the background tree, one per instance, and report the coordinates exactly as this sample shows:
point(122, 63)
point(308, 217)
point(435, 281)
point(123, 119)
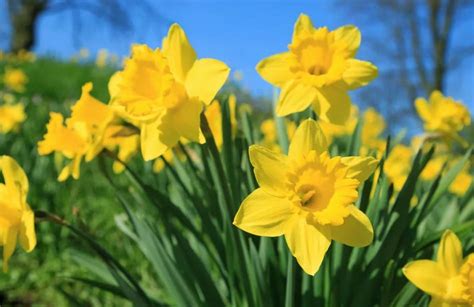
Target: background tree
point(417, 42)
point(24, 15)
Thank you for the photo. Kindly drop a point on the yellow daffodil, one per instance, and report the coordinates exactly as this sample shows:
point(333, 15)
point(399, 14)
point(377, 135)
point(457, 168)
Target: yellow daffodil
point(82, 135)
point(449, 280)
point(433, 168)
point(15, 79)
point(332, 131)
point(308, 197)
point(17, 220)
point(214, 118)
point(123, 138)
point(443, 115)
point(319, 69)
point(461, 183)
point(164, 89)
point(11, 116)
point(398, 165)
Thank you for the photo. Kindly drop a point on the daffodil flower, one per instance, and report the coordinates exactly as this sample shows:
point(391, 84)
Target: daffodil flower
point(443, 115)
point(164, 90)
point(319, 69)
point(11, 116)
point(82, 135)
point(308, 197)
point(15, 79)
point(17, 220)
point(450, 279)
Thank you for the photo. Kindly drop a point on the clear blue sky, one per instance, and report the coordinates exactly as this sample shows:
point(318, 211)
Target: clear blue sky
point(239, 32)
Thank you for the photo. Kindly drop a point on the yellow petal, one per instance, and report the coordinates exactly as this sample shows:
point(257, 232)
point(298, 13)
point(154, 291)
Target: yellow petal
point(450, 253)
point(10, 238)
point(307, 137)
point(360, 168)
point(14, 176)
point(205, 79)
point(302, 25)
point(270, 169)
point(265, 215)
point(276, 69)
point(359, 73)
point(185, 119)
point(151, 144)
point(179, 52)
point(27, 233)
point(65, 173)
point(357, 230)
point(334, 104)
point(423, 109)
point(308, 244)
point(351, 37)
point(114, 84)
point(428, 276)
point(295, 97)
point(439, 302)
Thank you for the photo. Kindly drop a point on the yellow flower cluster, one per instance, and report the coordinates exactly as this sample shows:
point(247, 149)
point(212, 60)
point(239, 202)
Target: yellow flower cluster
point(443, 116)
point(81, 137)
point(162, 95)
point(15, 79)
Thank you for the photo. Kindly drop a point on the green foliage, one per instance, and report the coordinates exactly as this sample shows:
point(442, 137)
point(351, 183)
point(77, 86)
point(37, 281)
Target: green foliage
point(149, 239)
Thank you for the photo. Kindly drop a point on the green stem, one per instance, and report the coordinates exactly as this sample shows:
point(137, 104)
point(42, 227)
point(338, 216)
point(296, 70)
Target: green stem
point(290, 283)
point(237, 246)
point(280, 125)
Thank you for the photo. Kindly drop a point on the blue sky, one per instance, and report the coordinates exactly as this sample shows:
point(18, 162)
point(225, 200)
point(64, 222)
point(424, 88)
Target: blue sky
point(239, 32)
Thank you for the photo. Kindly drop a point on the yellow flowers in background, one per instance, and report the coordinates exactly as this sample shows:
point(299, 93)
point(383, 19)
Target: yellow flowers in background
point(11, 116)
point(308, 197)
point(270, 136)
point(165, 90)
point(318, 70)
point(332, 131)
point(15, 79)
point(371, 135)
point(82, 135)
point(462, 182)
point(443, 116)
point(398, 165)
point(17, 220)
point(450, 279)
point(213, 114)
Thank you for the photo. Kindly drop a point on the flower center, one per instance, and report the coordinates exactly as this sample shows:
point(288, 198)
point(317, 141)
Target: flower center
point(148, 85)
point(312, 184)
point(314, 55)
